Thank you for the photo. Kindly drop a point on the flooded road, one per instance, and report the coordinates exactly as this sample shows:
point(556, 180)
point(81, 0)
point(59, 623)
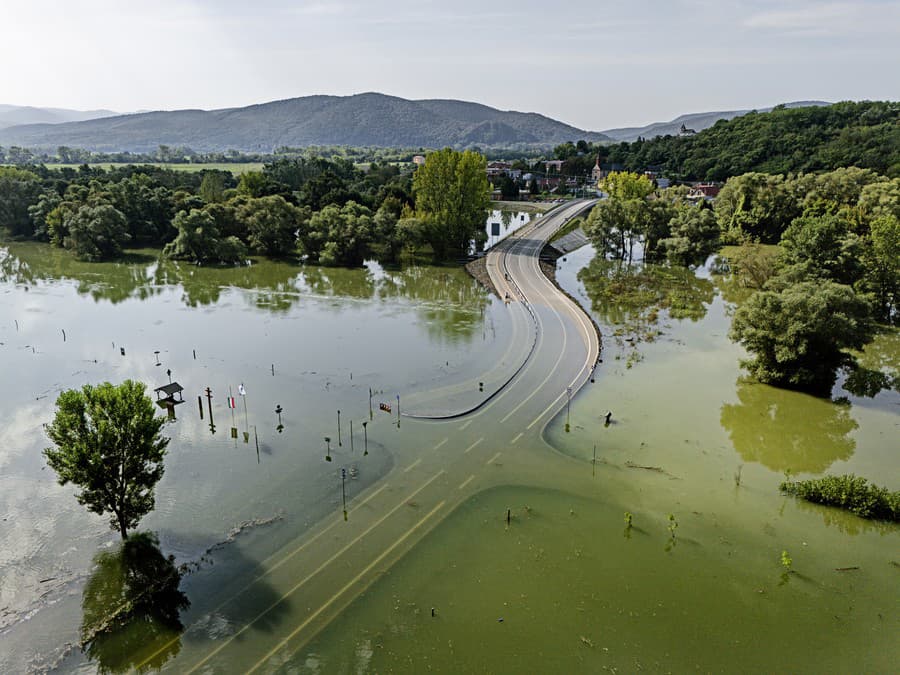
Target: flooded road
point(564, 585)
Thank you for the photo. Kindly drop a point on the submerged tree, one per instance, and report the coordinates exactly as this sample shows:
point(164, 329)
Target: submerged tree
point(108, 443)
point(452, 198)
point(797, 336)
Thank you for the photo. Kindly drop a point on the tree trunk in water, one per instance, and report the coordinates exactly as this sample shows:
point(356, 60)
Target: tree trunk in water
point(123, 528)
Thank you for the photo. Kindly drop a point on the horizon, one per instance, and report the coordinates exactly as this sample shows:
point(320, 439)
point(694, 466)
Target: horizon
point(593, 69)
point(538, 112)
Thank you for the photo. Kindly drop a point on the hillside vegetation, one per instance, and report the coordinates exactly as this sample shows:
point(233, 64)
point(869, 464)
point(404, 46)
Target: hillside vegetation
point(811, 139)
point(361, 120)
point(694, 121)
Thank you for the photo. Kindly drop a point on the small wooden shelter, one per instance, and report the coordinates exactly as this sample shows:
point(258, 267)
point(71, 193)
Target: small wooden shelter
point(169, 394)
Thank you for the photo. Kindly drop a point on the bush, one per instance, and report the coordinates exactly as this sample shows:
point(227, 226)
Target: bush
point(848, 492)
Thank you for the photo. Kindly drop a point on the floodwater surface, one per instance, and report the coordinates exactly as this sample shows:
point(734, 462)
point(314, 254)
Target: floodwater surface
point(692, 459)
point(309, 341)
point(537, 572)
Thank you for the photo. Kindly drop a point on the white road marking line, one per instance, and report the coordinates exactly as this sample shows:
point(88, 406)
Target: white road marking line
point(467, 481)
point(347, 586)
point(474, 444)
point(413, 465)
point(324, 565)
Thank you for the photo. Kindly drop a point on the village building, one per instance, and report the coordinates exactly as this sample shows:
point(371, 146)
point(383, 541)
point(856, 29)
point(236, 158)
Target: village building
point(597, 174)
point(706, 191)
point(555, 164)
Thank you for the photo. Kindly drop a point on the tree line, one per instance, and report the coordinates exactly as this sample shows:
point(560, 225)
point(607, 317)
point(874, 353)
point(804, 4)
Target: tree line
point(829, 275)
point(327, 210)
point(817, 138)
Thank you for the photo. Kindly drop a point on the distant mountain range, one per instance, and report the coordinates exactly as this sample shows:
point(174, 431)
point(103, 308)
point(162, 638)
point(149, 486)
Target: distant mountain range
point(695, 121)
point(12, 115)
point(362, 120)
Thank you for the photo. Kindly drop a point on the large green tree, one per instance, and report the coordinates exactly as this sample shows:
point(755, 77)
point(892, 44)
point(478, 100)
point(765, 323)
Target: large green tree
point(694, 235)
point(345, 234)
point(108, 442)
point(881, 267)
point(627, 217)
point(755, 205)
point(97, 232)
point(797, 336)
point(453, 199)
point(19, 189)
point(825, 246)
point(271, 224)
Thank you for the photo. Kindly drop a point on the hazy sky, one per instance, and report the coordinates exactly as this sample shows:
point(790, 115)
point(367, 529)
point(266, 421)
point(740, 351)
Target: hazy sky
point(595, 64)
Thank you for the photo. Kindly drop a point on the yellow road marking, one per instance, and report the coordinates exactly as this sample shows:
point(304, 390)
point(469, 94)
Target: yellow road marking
point(438, 446)
point(316, 571)
point(347, 586)
point(491, 460)
point(467, 481)
point(413, 465)
point(474, 444)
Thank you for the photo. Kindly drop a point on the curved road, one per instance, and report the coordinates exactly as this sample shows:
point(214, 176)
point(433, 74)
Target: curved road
point(293, 594)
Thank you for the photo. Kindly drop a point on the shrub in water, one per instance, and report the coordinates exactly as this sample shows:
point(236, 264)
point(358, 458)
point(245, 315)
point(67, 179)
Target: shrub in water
point(848, 492)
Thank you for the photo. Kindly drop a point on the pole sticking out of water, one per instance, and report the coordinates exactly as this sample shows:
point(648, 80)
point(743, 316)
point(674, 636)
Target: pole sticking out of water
point(508, 516)
point(273, 370)
point(64, 333)
point(200, 405)
point(365, 439)
point(195, 354)
point(339, 430)
point(351, 435)
point(17, 324)
point(344, 491)
point(594, 462)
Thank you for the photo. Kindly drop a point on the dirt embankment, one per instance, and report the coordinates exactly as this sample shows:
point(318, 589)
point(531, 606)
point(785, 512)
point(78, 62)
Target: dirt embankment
point(478, 269)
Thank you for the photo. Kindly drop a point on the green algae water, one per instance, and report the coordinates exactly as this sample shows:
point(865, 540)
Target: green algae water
point(564, 586)
point(568, 587)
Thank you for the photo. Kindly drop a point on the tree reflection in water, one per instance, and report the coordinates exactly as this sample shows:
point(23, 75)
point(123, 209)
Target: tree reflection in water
point(786, 430)
point(624, 294)
point(131, 606)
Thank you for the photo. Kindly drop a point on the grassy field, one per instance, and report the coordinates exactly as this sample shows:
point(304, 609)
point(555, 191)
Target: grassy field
point(237, 168)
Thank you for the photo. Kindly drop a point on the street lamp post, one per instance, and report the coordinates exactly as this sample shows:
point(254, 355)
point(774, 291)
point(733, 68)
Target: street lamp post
point(327, 449)
point(568, 405)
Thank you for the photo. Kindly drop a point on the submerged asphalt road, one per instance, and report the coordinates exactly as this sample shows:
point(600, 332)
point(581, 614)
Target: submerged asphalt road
point(273, 611)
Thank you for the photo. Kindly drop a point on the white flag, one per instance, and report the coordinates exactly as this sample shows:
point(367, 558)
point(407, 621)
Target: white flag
point(241, 390)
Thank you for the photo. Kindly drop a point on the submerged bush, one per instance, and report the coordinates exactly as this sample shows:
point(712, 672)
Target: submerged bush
point(848, 492)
